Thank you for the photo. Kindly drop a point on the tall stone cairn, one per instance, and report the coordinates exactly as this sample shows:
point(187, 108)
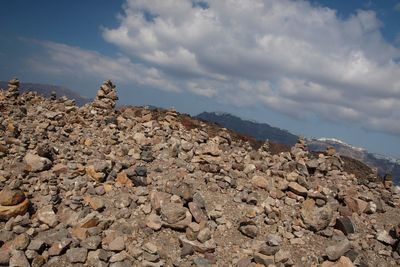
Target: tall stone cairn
point(106, 96)
point(13, 86)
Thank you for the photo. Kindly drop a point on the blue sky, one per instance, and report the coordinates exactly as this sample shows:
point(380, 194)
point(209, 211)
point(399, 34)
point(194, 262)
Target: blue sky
point(316, 68)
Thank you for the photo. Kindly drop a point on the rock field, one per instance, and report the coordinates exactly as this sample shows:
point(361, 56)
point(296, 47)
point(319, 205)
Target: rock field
point(96, 186)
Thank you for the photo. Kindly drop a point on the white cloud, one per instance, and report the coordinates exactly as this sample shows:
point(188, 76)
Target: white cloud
point(61, 59)
point(291, 56)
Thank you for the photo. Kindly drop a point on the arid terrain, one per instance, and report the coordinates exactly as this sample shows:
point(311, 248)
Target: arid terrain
point(99, 186)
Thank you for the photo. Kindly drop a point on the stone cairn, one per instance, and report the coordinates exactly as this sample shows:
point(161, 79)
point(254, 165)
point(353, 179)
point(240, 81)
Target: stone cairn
point(13, 86)
point(106, 96)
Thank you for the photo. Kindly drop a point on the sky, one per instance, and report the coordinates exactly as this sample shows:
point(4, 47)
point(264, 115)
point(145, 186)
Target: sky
point(317, 68)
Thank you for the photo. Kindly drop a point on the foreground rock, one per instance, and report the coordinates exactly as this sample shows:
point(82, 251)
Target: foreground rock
point(95, 186)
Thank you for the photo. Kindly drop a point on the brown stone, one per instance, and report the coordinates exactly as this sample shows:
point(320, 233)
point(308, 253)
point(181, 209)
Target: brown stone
point(342, 262)
point(7, 212)
point(123, 180)
point(97, 176)
point(260, 182)
point(10, 197)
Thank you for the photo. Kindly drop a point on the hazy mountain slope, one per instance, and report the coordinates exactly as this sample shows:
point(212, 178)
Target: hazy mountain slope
point(260, 131)
point(46, 89)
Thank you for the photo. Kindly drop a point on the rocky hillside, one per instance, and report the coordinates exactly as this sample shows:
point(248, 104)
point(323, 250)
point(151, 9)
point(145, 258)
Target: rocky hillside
point(46, 90)
point(384, 165)
point(263, 131)
point(95, 186)
point(260, 131)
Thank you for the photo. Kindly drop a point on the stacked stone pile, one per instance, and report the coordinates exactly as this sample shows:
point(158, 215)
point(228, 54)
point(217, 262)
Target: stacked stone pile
point(13, 86)
point(106, 96)
point(95, 186)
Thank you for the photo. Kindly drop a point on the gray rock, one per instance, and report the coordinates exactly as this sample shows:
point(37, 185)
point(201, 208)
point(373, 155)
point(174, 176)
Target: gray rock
point(75, 255)
point(248, 228)
point(36, 163)
point(263, 259)
point(204, 235)
point(201, 262)
point(334, 252)
point(385, 237)
point(92, 242)
point(315, 218)
point(345, 225)
point(46, 215)
point(173, 212)
point(18, 259)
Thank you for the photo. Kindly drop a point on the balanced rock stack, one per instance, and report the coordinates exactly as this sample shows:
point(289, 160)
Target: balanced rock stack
point(13, 86)
point(94, 186)
point(106, 96)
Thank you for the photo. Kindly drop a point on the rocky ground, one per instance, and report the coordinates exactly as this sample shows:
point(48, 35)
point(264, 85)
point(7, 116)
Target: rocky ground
point(95, 186)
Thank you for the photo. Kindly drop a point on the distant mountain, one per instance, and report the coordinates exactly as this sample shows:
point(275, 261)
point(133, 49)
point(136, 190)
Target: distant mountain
point(260, 131)
point(46, 89)
point(384, 164)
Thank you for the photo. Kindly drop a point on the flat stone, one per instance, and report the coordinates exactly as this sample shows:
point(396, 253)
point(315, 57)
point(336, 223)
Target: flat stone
point(75, 255)
point(263, 259)
point(298, 189)
point(336, 251)
point(59, 248)
point(119, 257)
point(37, 245)
point(92, 242)
point(268, 250)
point(202, 262)
point(208, 246)
point(36, 163)
point(342, 262)
point(47, 215)
point(117, 244)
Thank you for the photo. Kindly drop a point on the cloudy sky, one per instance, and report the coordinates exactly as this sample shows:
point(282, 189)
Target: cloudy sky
point(316, 68)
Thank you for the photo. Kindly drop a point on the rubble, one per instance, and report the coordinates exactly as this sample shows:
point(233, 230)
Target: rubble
point(99, 186)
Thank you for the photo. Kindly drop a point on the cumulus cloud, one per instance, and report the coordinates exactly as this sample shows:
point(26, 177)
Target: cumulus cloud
point(292, 56)
point(61, 59)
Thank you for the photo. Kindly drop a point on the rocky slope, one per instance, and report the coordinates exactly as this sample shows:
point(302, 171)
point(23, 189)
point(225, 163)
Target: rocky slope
point(95, 186)
point(263, 131)
point(384, 165)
